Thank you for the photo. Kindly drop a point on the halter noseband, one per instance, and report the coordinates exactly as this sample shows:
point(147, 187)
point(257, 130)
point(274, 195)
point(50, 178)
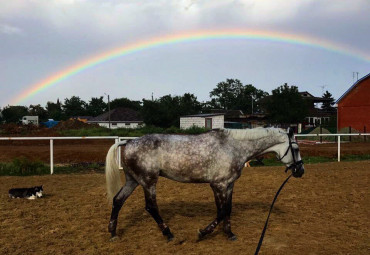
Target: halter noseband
point(295, 163)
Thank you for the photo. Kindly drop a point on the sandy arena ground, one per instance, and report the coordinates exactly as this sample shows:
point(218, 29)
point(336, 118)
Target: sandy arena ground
point(325, 212)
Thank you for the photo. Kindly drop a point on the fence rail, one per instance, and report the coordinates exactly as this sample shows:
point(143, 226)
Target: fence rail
point(337, 135)
point(118, 139)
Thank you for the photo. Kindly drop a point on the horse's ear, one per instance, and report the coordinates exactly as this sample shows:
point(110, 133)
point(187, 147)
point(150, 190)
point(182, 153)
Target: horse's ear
point(290, 132)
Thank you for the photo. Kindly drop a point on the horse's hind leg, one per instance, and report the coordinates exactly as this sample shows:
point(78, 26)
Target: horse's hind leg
point(223, 197)
point(118, 201)
point(228, 206)
point(152, 208)
point(219, 191)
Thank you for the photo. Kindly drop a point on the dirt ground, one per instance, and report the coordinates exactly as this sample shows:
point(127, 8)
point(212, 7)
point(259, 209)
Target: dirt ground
point(77, 151)
point(325, 212)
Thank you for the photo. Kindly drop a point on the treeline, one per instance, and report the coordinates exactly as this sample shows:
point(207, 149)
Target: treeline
point(284, 105)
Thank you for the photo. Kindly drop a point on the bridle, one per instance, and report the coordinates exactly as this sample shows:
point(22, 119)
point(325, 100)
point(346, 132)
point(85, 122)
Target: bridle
point(295, 163)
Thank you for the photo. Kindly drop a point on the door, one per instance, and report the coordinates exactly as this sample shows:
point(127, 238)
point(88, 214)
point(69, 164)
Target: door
point(209, 123)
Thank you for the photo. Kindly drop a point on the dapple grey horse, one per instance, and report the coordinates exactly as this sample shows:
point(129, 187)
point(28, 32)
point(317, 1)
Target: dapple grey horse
point(215, 157)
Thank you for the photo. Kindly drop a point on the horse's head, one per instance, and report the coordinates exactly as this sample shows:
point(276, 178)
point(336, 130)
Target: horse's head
point(288, 154)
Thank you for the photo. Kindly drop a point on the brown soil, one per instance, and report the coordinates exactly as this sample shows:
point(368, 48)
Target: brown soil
point(325, 212)
point(12, 129)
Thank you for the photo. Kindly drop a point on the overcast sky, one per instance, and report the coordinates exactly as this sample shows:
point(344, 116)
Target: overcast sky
point(41, 37)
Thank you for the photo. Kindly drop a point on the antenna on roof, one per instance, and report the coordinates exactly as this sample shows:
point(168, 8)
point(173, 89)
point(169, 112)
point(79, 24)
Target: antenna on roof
point(353, 76)
point(322, 88)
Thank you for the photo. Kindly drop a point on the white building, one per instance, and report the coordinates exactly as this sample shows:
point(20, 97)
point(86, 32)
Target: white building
point(119, 118)
point(211, 121)
point(30, 120)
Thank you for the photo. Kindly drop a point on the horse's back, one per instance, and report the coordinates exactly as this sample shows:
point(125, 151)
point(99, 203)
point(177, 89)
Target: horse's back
point(185, 158)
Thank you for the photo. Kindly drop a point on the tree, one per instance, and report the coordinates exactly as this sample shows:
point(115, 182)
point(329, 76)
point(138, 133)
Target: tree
point(233, 95)
point(74, 106)
point(249, 99)
point(286, 105)
point(125, 102)
point(38, 110)
point(188, 104)
point(96, 106)
point(54, 110)
point(328, 105)
point(226, 92)
point(166, 111)
point(14, 113)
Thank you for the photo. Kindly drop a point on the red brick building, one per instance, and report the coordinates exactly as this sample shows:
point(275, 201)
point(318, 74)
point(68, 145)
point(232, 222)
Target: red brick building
point(354, 106)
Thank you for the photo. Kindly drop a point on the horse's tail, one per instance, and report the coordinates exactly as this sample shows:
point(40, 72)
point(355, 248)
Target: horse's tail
point(112, 174)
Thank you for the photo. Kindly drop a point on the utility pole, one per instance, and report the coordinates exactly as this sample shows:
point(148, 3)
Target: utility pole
point(108, 109)
point(252, 97)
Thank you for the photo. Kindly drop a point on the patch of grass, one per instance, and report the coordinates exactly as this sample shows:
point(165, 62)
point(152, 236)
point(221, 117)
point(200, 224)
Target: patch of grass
point(313, 160)
point(355, 157)
point(24, 167)
point(79, 168)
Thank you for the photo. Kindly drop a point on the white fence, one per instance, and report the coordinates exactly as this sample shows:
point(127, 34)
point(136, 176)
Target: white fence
point(117, 139)
point(51, 139)
point(337, 135)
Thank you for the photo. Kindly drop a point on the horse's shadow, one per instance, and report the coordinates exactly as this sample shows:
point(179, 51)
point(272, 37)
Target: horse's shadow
point(192, 210)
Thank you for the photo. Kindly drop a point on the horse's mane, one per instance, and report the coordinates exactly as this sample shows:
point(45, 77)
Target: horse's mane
point(255, 133)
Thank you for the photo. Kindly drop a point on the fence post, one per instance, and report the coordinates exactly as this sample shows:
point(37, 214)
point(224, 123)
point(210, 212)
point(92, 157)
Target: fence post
point(320, 134)
point(350, 131)
point(51, 156)
point(338, 148)
point(364, 133)
point(117, 140)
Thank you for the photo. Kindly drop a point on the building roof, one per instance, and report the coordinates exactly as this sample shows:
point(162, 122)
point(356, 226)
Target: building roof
point(352, 87)
point(203, 115)
point(307, 96)
point(117, 115)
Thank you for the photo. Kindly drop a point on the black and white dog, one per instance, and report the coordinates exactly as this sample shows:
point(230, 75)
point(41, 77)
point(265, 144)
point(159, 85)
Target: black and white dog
point(29, 193)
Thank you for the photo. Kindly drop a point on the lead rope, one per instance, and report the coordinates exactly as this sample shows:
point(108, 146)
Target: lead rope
point(267, 220)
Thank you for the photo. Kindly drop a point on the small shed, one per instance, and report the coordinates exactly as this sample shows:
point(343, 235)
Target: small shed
point(210, 121)
point(118, 118)
point(354, 106)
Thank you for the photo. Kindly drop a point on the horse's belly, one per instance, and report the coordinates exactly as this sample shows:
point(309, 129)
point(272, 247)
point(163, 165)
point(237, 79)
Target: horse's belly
point(185, 175)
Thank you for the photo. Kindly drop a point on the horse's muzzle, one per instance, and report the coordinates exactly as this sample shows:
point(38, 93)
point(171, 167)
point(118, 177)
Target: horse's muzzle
point(298, 169)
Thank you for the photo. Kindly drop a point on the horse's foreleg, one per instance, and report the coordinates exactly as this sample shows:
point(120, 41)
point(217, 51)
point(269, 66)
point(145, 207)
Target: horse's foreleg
point(152, 208)
point(220, 199)
point(118, 201)
point(228, 206)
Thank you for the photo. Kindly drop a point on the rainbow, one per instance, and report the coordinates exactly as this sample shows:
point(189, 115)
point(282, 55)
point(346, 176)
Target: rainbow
point(181, 38)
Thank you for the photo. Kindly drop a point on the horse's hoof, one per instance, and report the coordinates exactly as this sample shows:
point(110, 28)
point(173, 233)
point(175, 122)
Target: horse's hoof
point(233, 238)
point(114, 239)
point(170, 238)
point(201, 235)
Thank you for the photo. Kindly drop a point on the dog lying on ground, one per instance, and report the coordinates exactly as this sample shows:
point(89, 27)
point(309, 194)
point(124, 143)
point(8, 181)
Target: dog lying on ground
point(29, 193)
